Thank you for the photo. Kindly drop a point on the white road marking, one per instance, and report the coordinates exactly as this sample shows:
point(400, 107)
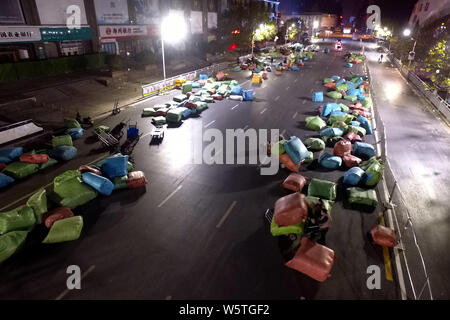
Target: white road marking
point(263, 110)
point(169, 196)
point(295, 80)
point(304, 101)
point(225, 216)
point(295, 114)
point(277, 97)
point(287, 88)
point(235, 106)
point(210, 123)
point(65, 292)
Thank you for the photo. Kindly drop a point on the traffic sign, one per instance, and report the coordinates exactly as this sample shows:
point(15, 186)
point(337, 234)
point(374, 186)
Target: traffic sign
point(411, 55)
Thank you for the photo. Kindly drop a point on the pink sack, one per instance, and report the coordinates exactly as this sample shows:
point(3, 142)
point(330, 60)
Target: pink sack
point(295, 182)
point(291, 209)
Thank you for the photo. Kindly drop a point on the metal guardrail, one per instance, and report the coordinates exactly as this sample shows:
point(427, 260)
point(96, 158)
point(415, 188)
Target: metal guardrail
point(169, 84)
point(395, 203)
point(442, 105)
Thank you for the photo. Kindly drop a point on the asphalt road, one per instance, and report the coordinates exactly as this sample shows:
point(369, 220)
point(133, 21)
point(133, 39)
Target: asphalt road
point(198, 231)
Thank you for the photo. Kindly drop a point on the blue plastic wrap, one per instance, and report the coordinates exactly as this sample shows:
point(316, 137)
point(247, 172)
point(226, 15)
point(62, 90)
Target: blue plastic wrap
point(64, 153)
point(115, 166)
point(353, 92)
point(99, 183)
point(11, 153)
point(365, 124)
point(236, 91)
point(294, 69)
point(363, 150)
point(328, 108)
point(203, 77)
point(353, 176)
point(355, 123)
point(248, 95)
point(5, 180)
point(317, 96)
point(329, 161)
point(296, 150)
point(332, 132)
point(75, 133)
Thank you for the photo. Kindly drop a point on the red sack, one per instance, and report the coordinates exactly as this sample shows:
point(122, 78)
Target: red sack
point(288, 163)
point(220, 75)
point(383, 236)
point(212, 91)
point(217, 97)
point(330, 85)
point(264, 76)
point(85, 168)
point(34, 158)
point(57, 214)
point(2, 166)
point(320, 109)
point(294, 182)
point(251, 67)
point(277, 73)
point(358, 105)
point(352, 137)
point(362, 113)
point(341, 148)
point(291, 209)
point(351, 160)
point(300, 64)
point(190, 105)
point(313, 259)
point(136, 179)
point(202, 82)
point(244, 66)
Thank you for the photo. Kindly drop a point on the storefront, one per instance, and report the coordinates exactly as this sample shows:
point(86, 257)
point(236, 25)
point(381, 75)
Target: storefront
point(16, 43)
point(124, 40)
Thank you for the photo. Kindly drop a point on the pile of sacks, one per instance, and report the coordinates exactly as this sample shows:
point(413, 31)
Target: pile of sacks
point(71, 189)
point(356, 58)
point(191, 103)
point(355, 88)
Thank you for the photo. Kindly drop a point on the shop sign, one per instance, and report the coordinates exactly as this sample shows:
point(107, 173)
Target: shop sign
point(112, 32)
point(19, 34)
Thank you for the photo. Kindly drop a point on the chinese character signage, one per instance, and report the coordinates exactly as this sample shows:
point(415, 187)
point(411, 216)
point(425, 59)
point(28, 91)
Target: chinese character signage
point(112, 11)
point(19, 34)
point(111, 32)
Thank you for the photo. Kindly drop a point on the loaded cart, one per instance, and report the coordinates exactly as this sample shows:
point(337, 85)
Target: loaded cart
point(132, 139)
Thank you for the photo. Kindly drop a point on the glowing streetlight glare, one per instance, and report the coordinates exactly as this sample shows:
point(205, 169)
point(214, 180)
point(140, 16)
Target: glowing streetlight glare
point(293, 25)
point(407, 32)
point(315, 24)
point(173, 28)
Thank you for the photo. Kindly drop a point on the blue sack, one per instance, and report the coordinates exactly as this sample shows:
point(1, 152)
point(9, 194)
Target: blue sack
point(328, 108)
point(248, 95)
point(342, 81)
point(328, 161)
point(64, 153)
point(317, 96)
point(355, 123)
point(236, 91)
point(5, 160)
point(305, 58)
point(75, 133)
point(353, 92)
point(189, 112)
point(363, 150)
point(349, 65)
point(365, 124)
point(116, 166)
point(332, 132)
point(203, 77)
point(296, 150)
point(361, 97)
point(256, 70)
point(5, 180)
point(11, 153)
point(99, 183)
point(335, 78)
point(195, 85)
point(294, 69)
point(353, 176)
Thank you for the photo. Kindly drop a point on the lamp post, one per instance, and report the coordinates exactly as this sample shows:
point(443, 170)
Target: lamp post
point(173, 30)
point(407, 33)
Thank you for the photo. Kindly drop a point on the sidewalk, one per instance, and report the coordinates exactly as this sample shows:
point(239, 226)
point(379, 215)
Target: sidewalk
point(418, 149)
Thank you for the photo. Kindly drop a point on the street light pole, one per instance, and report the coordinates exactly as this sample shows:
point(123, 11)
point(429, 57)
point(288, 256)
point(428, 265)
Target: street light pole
point(163, 58)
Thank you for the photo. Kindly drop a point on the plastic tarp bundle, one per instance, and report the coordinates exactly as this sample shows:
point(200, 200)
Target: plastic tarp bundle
point(10, 243)
point(355, 123)
point(328, 108)
point(296, 150)
point(175, 115)
point(203, 77)
point(330, 85)
point(341, 148)
point(200, 106)
point(70, 123)
point(291, 209)
point(312, 259)
point(20, 170)
point(315, 123)
point(331, 141)
point(99, 183)
point(136, 179)
point(63, 230)
point(86, 168)
point(9, 154)
point(294, 182)
point(64, 153)
point(315, 144)
point(71, 191)
point(317, 96)
point(327, 80)
point(34, 158)
point(383, 236)
point(248, 95)
point(351, 98)
point(159, 120)
point(337, 116)
point(38, 202)
point(351, 160)
point(353, 176)
point(340, 124)
point(334, 95)
point(236, 91)
point(75, 133)
point(57, 214)
point(374, 172)
point(367, 102)
point(322, 189)
point(365, 124)
point(276, 230)
point(342, 87)
point(332, 132)
point(18, 219)
point(188, 112)
point(354, 92)
point(362, 196)
point(363, 150)
point(115, 166)
point(64, 140)
point(329, 161)
point(186, 87)
point(5, 180)
point(278, 148)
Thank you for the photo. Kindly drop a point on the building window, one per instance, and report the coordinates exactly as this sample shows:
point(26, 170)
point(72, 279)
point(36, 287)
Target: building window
point(212, 6)
point(421, 5)
point(426, 6)
point(196, 5)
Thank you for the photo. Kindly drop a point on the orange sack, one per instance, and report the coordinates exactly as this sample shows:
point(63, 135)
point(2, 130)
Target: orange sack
point(341, 148)
point(295, 182)
point(291, 209)
point(34, 158)
point(288, 163)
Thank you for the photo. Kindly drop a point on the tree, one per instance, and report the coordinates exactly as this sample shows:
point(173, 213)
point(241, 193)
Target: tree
point(438, 62)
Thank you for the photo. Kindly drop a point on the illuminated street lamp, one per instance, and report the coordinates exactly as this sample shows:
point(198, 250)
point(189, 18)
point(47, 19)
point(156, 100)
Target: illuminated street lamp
point(407, 32)
point(173, 30)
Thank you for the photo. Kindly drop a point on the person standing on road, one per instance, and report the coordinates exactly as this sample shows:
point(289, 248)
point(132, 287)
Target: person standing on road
point(380, 60)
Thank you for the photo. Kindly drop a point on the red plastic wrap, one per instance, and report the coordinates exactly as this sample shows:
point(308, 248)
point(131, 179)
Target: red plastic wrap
point(352, 137)
point(85, 168)
point(288, 163)
point(34, 158)
point(351, 160)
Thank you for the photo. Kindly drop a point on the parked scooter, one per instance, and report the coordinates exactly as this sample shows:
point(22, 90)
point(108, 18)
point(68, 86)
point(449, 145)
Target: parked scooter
point(85, 122)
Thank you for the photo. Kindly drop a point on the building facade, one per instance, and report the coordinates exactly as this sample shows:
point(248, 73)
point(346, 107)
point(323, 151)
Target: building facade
point(428, 11)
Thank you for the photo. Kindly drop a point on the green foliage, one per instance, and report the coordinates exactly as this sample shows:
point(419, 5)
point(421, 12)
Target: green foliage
point(438, 62)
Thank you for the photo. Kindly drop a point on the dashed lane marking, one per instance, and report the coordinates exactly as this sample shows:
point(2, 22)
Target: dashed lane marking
point(169, 196)
point(235, 106)
point(277, 97)
point(227, 213)
point(206, 126)
point(264, 110)
point(295, 114)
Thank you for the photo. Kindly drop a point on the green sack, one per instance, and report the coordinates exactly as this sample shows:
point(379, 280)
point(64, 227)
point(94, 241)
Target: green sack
point(159, 120)
point(351, 98)
point(120, 183)
point(315, 123)
point(358, 130)
point(71, 123)
point(361, 196)
point(64, 140)
point(180, 98)
point(344, 108)
point(322, 189)
point(327, 80)
point(374, 171)
point(367, 102)
point(201, 106)
point(186, 87)
point(337, 117)
point(38, 202)
point(233, 83)
point(314, 144)
point(276, 230)
point(349, 118)
point(342, 87)
point(174, 115)
point(130, 166)
point(278, 148)
point(331, 141)
point(148, 112)
point(67, 229)
point(327, 204)
point(47, 164)
point(100, 129)
point(10, 243)
point(72, 192)
point(334, 95)
point(158, 106)
point(65, 176)
point(340, 124)
point(18, 219)
point(309, 158)
point(20, 170)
